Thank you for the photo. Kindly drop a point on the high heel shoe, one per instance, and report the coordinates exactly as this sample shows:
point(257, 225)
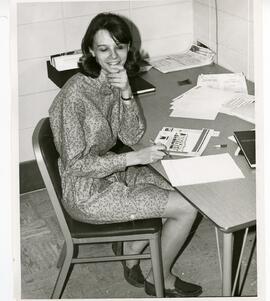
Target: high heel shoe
point(181, 289)
point(133, 275)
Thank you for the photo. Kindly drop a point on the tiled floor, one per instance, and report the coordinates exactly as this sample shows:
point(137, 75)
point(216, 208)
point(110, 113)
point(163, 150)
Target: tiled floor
point(41, 241)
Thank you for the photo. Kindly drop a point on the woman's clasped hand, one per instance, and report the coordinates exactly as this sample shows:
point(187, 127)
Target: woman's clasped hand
point(118, 78)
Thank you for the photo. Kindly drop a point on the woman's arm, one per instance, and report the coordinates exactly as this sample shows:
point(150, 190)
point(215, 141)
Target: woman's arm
point(78, 157)
point(132, 125)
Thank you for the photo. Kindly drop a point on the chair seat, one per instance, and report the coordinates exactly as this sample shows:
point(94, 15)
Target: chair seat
point(84, 230)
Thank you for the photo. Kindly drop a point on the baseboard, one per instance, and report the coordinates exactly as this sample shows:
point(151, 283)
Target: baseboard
point(30, 177)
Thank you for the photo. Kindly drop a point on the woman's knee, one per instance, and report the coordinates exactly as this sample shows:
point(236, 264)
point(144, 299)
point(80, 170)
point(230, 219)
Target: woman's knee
point(192, 212)
point(178, 206)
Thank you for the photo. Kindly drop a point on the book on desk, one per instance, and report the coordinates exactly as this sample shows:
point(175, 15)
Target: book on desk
point(246, 142)
point(137, 83)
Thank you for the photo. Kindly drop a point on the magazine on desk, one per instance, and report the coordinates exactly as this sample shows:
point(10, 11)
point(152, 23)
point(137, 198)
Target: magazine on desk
point(184, 142)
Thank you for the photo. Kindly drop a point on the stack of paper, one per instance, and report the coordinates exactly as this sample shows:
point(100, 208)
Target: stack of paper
point(200, 103)
point(214, 93)
point(242, 104)
point(200, 170)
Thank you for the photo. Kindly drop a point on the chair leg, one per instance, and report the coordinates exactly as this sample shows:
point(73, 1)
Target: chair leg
point(62, 256)
point(63, 273)
point(155, 249)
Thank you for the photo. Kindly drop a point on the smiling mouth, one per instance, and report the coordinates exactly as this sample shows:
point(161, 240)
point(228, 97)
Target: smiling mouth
point(113, 63)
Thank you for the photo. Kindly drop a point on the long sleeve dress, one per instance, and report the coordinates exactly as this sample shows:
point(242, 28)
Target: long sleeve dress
point(87, 117)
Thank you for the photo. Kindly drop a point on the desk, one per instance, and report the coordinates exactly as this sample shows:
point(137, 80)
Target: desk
point(230, 205)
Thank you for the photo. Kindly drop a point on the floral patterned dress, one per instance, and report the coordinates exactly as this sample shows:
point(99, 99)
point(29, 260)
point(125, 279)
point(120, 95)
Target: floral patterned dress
point(87, 117)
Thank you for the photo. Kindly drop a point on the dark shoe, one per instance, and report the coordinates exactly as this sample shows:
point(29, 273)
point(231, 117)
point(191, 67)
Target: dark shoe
point(134, 275)
point(181, 289)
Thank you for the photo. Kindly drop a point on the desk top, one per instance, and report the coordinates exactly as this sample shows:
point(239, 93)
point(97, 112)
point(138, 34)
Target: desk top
point(231, 204)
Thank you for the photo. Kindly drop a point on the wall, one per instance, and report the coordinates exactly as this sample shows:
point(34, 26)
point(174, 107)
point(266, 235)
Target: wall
point(234, 32)
point(165, 26)
point(44, 29)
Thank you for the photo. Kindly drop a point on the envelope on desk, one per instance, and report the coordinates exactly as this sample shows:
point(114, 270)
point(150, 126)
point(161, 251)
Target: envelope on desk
point(200, 170)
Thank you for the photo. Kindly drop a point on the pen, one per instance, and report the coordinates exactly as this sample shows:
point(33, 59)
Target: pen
point(220, 145)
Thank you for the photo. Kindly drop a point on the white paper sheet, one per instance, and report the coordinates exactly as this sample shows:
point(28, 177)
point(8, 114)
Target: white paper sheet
point(200, 170)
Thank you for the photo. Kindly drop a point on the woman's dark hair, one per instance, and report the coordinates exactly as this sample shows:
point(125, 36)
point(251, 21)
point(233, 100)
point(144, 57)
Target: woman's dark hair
point(119, 32)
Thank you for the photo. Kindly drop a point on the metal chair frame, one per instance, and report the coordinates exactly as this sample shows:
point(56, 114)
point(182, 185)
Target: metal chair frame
point(46, 157)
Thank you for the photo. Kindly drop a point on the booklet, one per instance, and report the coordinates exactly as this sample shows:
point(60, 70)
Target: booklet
point(184, 142)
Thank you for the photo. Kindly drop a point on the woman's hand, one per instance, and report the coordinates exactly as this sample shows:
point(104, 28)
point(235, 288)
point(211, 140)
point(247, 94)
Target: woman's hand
point(150, 154)
point(118, 78)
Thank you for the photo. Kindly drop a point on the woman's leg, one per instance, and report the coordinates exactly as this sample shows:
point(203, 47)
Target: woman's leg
point(180, 216)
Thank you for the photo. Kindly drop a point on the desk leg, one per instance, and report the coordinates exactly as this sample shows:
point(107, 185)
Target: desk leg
point(227, 264)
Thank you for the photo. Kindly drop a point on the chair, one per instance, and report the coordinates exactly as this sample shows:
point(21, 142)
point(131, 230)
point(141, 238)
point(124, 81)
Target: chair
point(77, 233)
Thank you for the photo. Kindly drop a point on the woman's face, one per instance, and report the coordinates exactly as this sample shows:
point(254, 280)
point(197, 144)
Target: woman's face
point(107, 52)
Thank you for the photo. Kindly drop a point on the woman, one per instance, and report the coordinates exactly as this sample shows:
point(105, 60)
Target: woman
point(93, 109)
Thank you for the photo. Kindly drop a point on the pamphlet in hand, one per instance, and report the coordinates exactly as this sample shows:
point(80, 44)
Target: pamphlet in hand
point(184, 142)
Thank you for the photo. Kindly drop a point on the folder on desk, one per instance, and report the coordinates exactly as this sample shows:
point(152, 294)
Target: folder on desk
point(140, 86)
point(246, 141)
